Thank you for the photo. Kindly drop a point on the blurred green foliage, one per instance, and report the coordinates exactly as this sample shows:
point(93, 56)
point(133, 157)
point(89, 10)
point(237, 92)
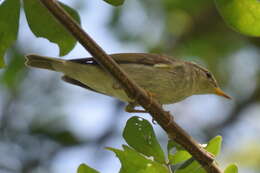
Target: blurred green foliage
point(242, 15)
point(42, 24)
point(9, 20)
point(14, 73)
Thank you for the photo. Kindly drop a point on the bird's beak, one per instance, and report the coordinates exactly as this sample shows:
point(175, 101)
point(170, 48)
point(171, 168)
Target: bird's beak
point(219, 92)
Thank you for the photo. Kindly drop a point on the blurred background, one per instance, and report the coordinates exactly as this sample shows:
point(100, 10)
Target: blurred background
point(48, 126)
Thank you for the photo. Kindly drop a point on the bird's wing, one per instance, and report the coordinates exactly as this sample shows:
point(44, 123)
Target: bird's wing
point(132, 58)
point(78, 83)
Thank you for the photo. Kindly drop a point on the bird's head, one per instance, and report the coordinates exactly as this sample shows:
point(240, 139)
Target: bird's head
point(206, 82)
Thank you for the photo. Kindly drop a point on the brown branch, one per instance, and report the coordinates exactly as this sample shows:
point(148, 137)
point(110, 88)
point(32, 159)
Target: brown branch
point(174, 131)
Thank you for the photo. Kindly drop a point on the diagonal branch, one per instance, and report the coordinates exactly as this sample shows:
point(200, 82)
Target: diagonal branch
point(174, 131)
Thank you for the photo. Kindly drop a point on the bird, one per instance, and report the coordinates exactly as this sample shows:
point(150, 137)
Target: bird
point(167, 79)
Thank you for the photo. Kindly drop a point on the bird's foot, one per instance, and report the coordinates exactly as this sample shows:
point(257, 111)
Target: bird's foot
point(131, 105)
point(131, 108)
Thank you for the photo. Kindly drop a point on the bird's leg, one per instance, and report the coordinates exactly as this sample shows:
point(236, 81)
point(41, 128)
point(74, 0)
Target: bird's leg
point(131, 106)
point(131, 109)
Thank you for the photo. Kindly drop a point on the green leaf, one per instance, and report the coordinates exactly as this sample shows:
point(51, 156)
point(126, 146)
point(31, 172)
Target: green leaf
point(179, 157)
point(132, 161)
point(176, 153)
point(183, 166)
point(173, 145)
point(115, 2)
point(242, 15)
point(139, 134)
point(43, 24)
point(214, 147)
point(14, 71)
point(83, 168)
point(232, 168)
point(154, 168)
point(9, 22)
point(190, 166)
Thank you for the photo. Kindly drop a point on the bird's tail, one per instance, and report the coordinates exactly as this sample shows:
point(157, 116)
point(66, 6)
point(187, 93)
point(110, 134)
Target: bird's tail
point(43, 62)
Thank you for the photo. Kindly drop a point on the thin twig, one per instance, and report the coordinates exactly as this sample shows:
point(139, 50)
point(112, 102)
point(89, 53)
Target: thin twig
point(174, 131)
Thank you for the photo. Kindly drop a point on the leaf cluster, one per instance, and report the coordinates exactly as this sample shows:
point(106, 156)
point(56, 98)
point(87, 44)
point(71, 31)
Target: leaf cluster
point(145, 155)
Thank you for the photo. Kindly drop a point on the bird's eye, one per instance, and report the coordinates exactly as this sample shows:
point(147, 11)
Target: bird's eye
point(208, 75)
